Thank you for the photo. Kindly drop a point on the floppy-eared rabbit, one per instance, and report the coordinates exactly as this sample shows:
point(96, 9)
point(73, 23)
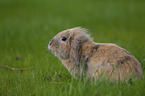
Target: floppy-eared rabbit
point(78, 53)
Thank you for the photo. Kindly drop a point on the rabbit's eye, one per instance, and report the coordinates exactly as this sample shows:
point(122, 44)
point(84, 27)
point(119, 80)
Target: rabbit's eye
point(63, 39)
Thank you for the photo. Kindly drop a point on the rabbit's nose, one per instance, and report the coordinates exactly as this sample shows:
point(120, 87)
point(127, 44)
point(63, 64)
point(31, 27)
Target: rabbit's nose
point(50, 43)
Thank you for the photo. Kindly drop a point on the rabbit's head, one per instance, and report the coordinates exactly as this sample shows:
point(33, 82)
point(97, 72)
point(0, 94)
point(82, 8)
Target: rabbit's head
point(67, 44)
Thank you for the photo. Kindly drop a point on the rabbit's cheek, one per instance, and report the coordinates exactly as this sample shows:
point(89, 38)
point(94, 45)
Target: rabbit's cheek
point(55, 46)
point(63, 51)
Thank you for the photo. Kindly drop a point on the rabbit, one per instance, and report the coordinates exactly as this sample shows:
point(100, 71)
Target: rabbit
point(77, 51)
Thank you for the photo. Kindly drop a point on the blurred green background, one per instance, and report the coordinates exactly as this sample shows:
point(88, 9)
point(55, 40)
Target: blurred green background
point(27, 26)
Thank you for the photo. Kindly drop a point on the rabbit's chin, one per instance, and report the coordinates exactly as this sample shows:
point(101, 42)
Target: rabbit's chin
point(56, 54)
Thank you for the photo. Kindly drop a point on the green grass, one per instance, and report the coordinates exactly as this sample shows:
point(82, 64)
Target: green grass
point(27, 26)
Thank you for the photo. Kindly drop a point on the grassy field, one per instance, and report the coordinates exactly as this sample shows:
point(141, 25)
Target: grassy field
point(27, 26)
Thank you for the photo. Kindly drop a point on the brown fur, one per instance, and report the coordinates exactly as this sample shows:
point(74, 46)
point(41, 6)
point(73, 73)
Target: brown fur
point(96, 59)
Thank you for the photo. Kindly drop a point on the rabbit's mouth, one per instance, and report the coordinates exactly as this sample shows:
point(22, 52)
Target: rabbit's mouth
point(54, 52)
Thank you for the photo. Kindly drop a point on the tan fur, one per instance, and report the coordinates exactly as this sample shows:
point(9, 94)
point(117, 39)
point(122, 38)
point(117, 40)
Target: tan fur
point(79, 52)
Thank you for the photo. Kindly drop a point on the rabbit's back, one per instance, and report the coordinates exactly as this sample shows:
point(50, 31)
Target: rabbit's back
point(112, 61)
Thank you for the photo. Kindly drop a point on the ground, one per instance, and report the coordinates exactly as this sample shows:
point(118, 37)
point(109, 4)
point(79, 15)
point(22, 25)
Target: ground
point(27, 26)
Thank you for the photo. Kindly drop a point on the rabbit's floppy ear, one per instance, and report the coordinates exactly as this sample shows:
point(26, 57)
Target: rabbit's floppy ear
point(75, 50)
point(77, 38)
